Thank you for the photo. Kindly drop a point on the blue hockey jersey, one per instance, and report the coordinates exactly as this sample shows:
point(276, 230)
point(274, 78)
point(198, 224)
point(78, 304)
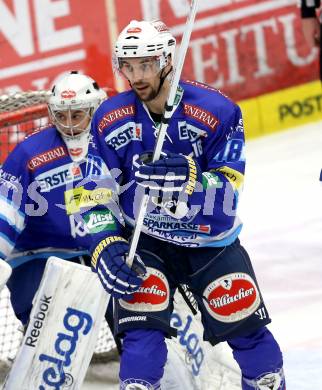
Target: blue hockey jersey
point(50, 204)
point(205, 125)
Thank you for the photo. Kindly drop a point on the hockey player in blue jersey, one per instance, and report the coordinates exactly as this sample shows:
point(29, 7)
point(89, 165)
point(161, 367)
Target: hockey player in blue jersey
point(190, 232)
point(38, 202)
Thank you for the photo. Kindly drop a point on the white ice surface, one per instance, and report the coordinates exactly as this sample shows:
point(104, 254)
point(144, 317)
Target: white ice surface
point(282, 212)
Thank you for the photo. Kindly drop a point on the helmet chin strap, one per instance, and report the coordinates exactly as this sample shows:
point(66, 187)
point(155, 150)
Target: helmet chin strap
point(162, 79)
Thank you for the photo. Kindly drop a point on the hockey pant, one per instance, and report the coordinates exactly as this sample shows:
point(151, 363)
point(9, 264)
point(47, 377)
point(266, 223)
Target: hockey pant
point(143, 326)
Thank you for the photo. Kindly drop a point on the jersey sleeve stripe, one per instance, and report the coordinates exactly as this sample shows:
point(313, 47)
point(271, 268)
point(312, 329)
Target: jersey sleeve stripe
point(11, 223)
point(12, 214)
point(6, 245)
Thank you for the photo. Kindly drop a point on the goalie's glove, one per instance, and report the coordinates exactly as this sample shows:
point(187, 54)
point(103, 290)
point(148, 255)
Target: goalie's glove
point(109, 261)
point(171, 180)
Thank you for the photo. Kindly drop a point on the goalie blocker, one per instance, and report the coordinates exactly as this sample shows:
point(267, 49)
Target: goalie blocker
point(64, 324)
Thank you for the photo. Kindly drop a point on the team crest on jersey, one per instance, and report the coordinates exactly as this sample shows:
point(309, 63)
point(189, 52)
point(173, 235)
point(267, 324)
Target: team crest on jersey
point(232, 297)
point(123, 135)
point(152, 295)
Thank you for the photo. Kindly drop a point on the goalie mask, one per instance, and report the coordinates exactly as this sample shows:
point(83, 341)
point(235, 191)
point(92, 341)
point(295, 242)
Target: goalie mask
point(71, 106)
point(150, 41)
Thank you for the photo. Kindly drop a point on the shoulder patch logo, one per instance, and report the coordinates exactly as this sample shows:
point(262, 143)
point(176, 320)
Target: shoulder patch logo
point(201, 115)
point(115, 115)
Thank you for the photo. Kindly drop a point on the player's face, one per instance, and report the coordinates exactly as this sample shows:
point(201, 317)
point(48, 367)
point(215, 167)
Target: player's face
point(71, 122)
point(143, 74)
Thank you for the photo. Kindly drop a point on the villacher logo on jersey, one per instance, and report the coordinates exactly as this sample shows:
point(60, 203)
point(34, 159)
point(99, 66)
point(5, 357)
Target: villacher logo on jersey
point(232, 297)
point(152, 295)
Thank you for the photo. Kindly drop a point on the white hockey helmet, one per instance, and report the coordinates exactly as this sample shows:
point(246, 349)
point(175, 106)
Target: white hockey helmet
point(144, 39)
point(71, 106)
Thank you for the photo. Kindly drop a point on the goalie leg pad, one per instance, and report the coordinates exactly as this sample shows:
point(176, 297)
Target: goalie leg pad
point(143, 359)
point(64, 323)
point(260, 360)
point(23, 285)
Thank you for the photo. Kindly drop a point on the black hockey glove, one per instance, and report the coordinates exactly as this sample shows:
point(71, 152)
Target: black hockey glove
point(108, 260)
point(171, 180)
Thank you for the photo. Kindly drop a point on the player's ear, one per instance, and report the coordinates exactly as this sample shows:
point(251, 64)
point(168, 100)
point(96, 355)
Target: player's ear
point(169, 61)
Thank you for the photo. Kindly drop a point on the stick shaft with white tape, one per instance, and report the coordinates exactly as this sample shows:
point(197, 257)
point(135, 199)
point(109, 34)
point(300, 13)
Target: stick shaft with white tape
point(164, 124)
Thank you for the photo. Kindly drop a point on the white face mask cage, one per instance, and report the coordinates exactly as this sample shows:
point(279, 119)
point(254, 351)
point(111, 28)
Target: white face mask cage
point(71, 122)
point(74, 127)
point(71, 107)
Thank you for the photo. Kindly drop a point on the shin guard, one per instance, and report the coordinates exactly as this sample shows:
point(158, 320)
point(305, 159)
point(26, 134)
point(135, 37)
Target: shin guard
point(260, 360)
point(143, 358)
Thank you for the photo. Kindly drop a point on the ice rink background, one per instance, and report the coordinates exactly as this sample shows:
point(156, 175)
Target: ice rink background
point(282, 212)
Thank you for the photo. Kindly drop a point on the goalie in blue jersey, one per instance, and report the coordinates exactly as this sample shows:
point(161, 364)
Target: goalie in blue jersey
point(190, 231)
point(46, 184)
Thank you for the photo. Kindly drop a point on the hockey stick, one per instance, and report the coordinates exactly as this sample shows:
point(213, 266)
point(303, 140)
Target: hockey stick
point(5, 272)
point(164, 124)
